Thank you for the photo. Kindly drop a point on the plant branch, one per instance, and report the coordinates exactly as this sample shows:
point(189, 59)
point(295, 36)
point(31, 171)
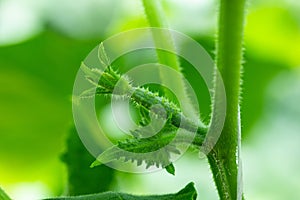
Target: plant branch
point(224, 156)
point(163, 38)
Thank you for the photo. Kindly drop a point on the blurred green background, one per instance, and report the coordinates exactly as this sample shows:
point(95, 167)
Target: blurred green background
point(43, 42)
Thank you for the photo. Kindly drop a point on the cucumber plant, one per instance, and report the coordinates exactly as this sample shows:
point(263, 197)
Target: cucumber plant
point(224, 158)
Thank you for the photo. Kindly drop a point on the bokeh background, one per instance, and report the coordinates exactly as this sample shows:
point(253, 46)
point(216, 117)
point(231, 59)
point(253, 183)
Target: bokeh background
point(43, 42)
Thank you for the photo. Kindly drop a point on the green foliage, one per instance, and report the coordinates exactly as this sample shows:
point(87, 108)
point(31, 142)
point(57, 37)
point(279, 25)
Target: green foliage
point(36, 78)
point(223, 158)
point(137, 149)
point(3, 195)
point(155, 150)
point(82, 179)
point(187, 193)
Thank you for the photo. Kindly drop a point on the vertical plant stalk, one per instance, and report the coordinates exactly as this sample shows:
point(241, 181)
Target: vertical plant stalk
point(224, 157)
point(156, 18)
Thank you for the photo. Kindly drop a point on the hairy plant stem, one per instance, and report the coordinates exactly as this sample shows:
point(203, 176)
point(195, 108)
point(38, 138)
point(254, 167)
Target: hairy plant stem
point(224, 157)
point(163, 38)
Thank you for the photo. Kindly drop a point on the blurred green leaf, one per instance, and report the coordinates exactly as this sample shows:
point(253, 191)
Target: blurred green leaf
point(78, 159)
point(258, 73)
point(36, 79)
point(273, 32)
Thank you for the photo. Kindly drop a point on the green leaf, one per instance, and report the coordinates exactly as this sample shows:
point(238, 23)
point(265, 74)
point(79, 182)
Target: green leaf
point(3, 195)
point(187, 193)
point(170, 169)
point(152, 150)
point(102, 56)
point(77, 160)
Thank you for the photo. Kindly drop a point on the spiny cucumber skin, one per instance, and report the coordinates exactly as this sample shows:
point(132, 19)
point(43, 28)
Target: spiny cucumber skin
point(147, 99)
point(113, 83)
point(120, 87)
